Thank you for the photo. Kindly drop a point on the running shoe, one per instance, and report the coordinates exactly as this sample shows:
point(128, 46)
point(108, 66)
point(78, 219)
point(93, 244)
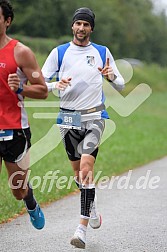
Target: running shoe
point(95, 219)
point(79, 238)
point(37, 217)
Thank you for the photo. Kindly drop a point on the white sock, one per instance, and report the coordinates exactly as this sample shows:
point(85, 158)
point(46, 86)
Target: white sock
point(82, 227)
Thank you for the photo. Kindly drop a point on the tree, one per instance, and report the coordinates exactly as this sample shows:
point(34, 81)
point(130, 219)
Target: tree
point(128, 28)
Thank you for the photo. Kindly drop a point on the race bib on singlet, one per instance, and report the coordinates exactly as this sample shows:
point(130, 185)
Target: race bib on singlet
point(70, 120)
point(6, 135)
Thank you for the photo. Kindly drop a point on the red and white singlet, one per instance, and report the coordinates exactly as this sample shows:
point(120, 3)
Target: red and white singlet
point(12, 112)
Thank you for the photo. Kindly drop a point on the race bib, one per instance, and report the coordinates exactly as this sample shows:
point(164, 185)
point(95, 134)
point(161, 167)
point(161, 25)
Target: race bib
point(70, 120)
point(6, 135)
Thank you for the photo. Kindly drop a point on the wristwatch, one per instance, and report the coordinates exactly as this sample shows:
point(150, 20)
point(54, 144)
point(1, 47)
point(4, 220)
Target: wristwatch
point(20, 88)
point(113, 79)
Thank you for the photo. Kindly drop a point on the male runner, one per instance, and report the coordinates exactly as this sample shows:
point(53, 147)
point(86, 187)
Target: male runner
point(81, 66)
point(17, 66)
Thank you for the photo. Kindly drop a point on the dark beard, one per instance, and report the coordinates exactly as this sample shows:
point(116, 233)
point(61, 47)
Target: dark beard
point(81, 39)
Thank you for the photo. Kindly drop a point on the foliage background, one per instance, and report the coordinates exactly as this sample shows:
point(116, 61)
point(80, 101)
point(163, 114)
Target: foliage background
point(129, 28)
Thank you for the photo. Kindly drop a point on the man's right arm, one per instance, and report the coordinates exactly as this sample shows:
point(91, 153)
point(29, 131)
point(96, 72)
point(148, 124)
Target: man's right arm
point(50, 69)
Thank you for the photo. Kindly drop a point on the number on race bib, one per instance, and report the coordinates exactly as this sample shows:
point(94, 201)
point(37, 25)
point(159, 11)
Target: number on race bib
point(68, 119)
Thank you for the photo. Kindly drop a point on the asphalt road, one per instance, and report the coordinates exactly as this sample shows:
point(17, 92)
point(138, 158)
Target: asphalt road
point(134, 210)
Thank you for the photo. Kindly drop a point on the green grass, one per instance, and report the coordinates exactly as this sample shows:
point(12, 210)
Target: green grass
point(153, 75)
point(138, 139)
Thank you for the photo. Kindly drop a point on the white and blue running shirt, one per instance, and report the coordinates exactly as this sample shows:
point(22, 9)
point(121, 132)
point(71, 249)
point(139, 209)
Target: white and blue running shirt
point(81, 64)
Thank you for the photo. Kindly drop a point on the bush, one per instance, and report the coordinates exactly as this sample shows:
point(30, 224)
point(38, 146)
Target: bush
point(41, 45)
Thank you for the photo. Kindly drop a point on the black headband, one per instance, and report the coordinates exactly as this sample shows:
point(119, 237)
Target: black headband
point(84, 14)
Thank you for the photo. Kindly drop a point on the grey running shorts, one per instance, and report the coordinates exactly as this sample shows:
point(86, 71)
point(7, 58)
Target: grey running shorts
point(84, 141)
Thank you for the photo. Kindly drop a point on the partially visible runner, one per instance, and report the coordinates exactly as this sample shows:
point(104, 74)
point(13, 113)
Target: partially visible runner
point(81, 66)
point(18, 65)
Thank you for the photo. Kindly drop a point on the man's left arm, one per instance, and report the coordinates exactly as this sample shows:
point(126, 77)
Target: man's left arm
point(118, 81)
point(111, 72)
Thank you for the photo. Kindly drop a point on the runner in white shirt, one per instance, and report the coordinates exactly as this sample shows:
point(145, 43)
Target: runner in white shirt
point(80, 66)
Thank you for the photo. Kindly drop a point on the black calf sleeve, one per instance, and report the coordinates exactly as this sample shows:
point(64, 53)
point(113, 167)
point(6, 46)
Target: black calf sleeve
point(87, 198)
point(29, 199)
